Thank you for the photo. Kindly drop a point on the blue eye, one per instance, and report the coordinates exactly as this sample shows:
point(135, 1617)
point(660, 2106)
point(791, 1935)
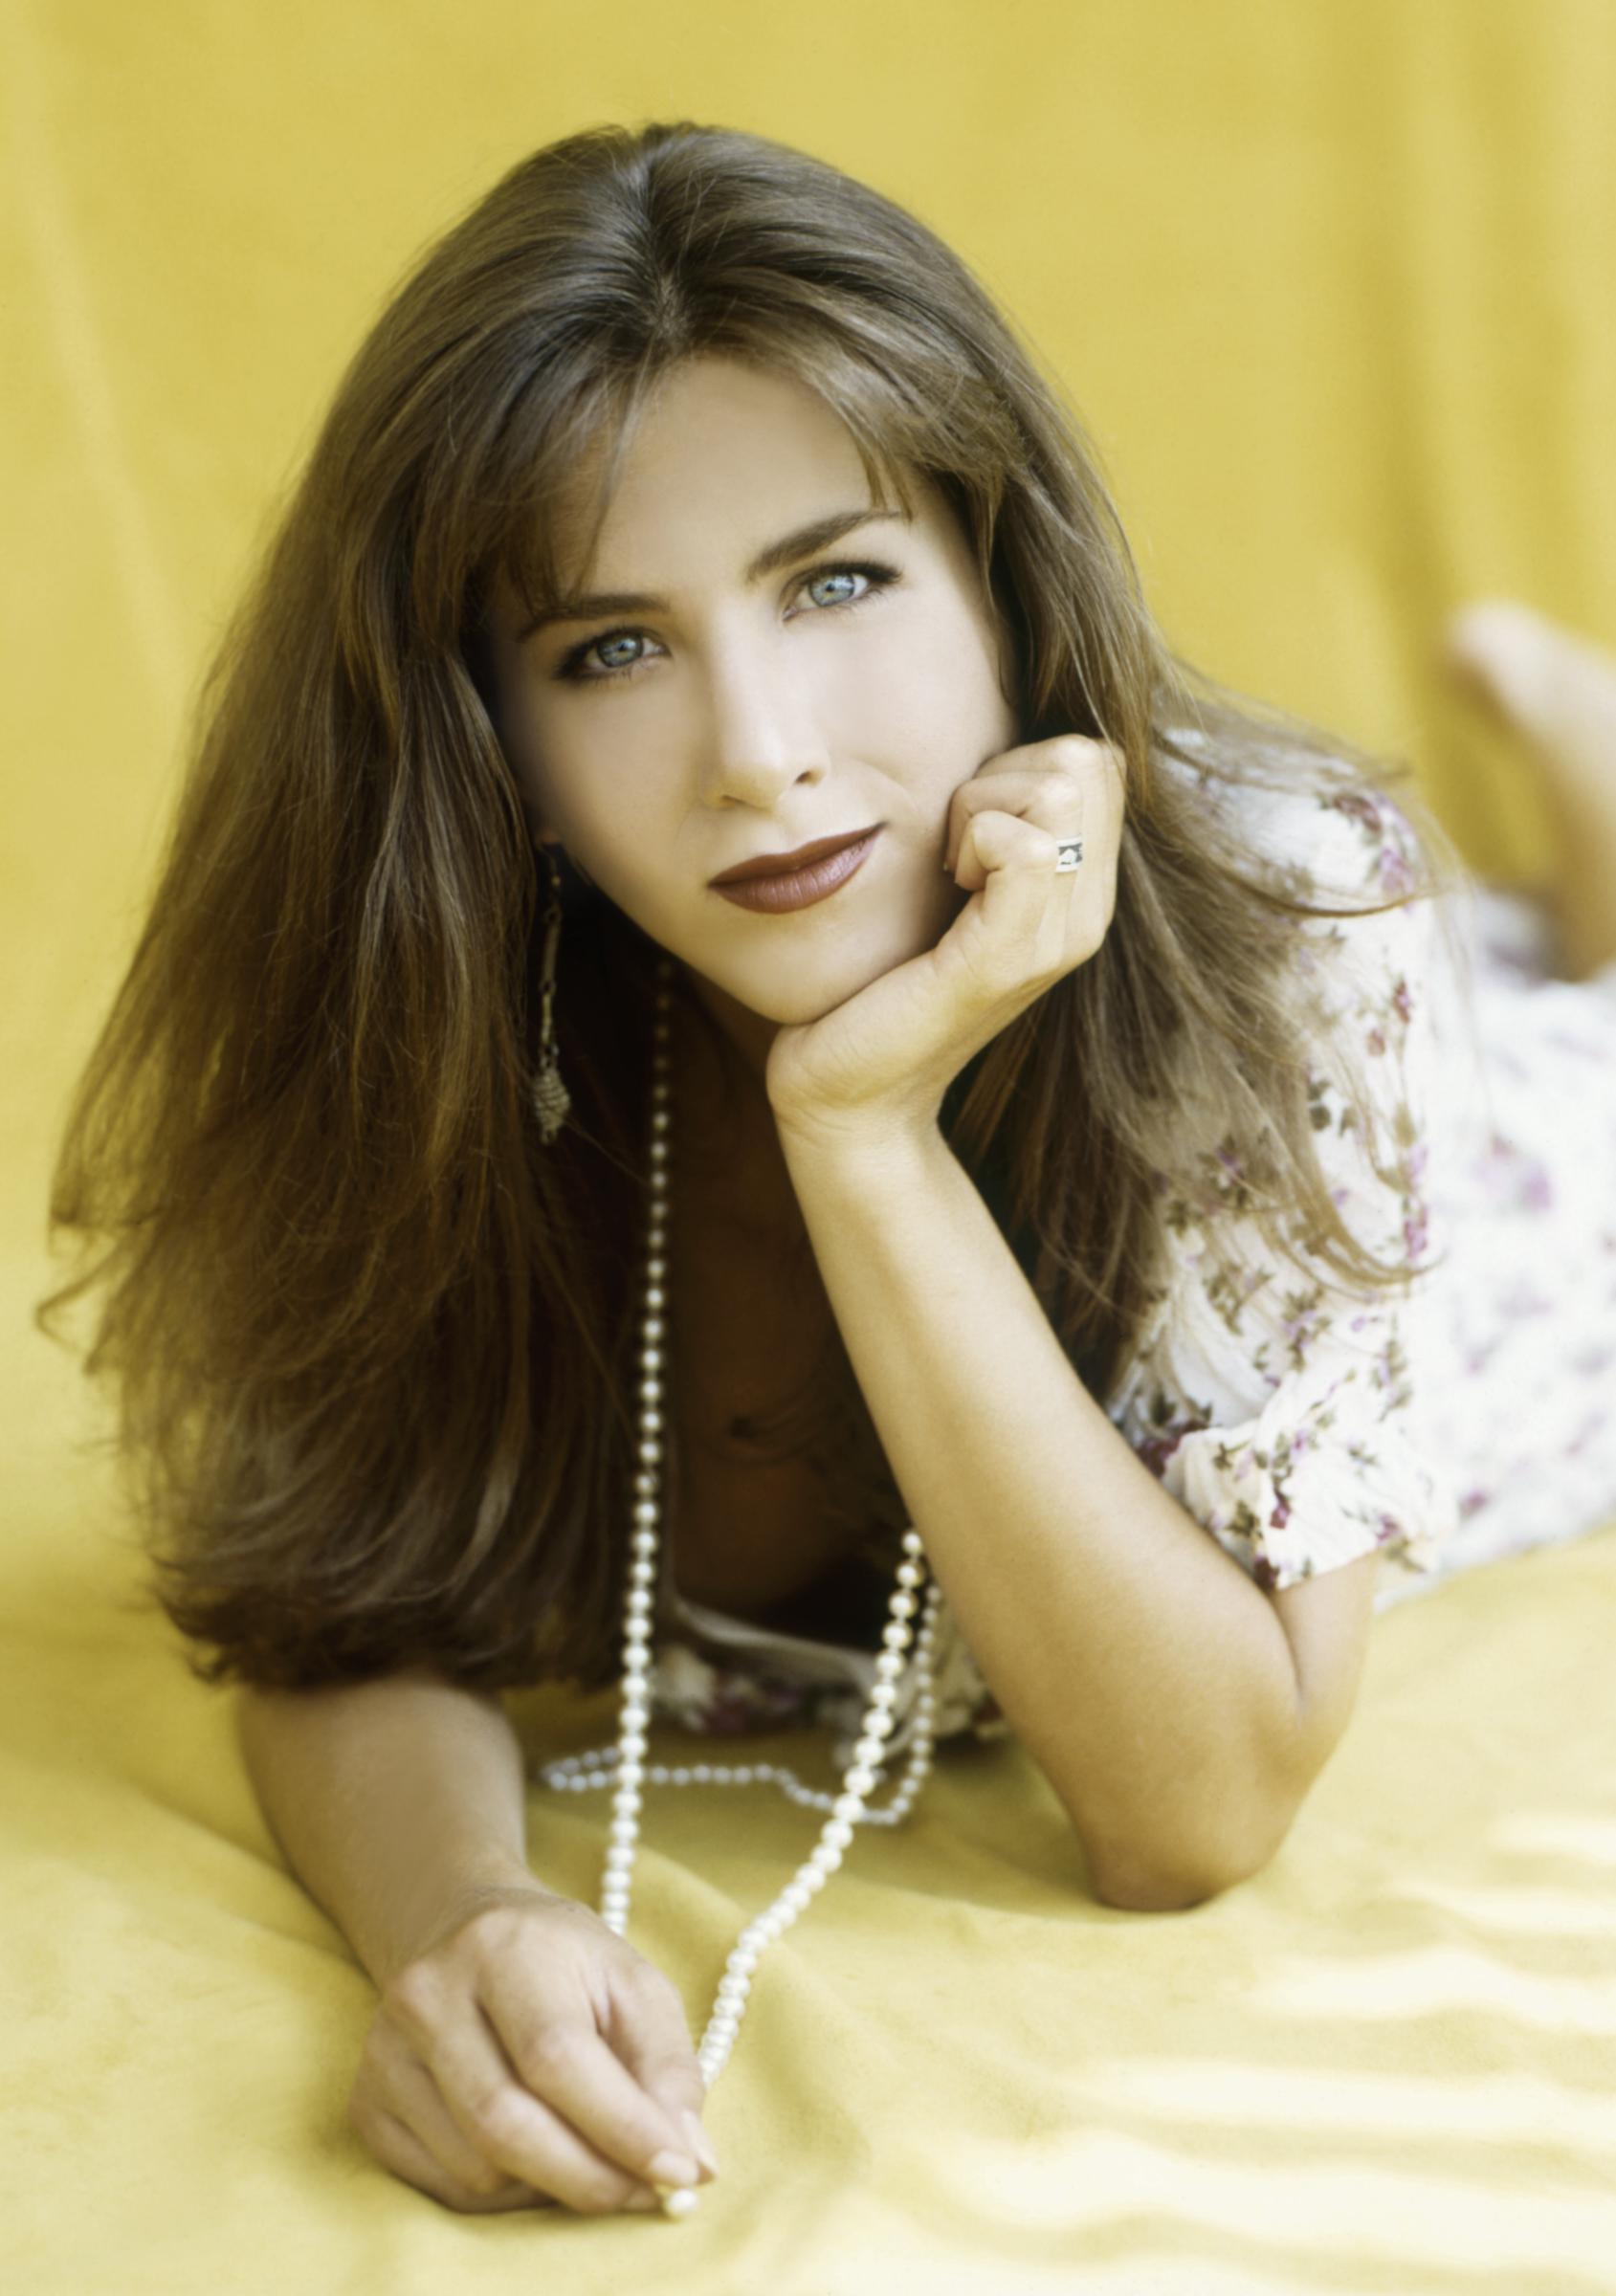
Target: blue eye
point(571, 665)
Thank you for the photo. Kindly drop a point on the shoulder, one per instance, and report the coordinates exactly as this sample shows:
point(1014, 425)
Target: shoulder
point(1313, 828)
point(1393, 968)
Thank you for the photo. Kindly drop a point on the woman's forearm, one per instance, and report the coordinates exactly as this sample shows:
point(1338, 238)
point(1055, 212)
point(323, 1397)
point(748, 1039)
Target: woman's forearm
point(395, 1802)
point(1149, 1678)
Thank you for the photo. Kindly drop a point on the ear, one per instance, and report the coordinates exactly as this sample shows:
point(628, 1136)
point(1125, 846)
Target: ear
point(538, 831)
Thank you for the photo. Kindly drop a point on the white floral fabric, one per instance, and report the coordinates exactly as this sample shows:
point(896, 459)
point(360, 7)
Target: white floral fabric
point(723, 1677)
point(1465, 1416)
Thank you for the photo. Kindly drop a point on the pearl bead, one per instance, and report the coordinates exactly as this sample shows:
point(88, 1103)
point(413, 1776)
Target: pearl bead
point(904, 1653)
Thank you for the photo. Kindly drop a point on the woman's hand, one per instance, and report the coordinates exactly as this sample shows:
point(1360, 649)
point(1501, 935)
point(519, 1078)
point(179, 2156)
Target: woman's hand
point(885, 1058)
point(529, 2056)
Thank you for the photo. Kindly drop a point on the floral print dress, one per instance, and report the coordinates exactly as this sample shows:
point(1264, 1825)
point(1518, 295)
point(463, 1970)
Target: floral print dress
point(1464, 1417)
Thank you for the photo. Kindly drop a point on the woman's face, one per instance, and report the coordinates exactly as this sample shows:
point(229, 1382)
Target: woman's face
point(661, 744)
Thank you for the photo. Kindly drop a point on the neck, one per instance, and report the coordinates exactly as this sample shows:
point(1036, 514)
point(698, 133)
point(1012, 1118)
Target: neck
point(728, 1135)
point(741, 1037)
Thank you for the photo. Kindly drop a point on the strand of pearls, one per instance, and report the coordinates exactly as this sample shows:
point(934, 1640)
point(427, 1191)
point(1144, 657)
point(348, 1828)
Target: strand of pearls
point(624, 1767)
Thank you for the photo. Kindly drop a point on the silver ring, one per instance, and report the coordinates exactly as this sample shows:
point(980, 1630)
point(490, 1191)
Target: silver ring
point(1069, 853)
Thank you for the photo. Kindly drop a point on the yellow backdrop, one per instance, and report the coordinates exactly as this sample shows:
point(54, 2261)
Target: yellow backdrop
point(1329, 281)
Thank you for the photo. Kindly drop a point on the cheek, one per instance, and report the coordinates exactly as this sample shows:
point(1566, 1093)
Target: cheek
point(565, 776)
point(940, 717)
point(524, 747)
point(621, 826)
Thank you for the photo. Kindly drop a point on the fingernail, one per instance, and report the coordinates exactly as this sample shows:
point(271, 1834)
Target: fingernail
point(701, 2144)
point(673, 2168)
point(643, 2201)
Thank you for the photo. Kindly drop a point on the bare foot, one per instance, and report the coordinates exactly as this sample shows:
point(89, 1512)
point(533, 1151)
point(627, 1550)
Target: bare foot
point(1552, 685)
point(1557, 692)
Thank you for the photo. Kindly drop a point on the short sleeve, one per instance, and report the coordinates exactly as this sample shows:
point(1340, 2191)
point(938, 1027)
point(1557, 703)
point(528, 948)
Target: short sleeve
point(1282, 1408)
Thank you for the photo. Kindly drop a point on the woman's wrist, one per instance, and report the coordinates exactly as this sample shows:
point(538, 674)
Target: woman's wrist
point(493, 1878)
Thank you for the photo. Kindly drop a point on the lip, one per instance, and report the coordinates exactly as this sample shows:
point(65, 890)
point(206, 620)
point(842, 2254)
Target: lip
point(785, 865)
point(800, 887)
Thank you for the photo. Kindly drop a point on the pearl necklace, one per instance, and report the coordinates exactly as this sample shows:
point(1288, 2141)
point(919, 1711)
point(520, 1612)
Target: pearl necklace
point(625, 1764)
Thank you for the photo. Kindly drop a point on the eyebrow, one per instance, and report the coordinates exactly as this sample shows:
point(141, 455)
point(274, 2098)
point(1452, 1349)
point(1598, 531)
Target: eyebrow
point(801, 543)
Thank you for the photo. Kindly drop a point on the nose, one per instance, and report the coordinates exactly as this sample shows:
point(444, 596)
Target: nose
point(761, 738)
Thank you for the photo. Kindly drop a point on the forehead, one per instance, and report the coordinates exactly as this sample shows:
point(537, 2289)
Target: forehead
point(556, 563)
point(714, 426)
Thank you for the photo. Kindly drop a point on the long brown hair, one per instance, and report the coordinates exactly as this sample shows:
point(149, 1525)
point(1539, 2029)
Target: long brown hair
point(372, 1342)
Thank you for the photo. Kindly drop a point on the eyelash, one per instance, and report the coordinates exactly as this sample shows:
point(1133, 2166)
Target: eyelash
point(571, 664)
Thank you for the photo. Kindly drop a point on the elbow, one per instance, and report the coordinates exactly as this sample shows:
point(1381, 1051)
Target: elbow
point(1135, 1891)
point(1138, 1884)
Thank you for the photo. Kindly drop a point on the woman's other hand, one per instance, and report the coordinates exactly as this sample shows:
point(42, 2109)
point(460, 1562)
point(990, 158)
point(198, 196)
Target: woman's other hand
point(530, 2057)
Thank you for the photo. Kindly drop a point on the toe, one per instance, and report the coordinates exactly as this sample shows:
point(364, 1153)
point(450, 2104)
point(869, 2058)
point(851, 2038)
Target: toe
point(1505, 652)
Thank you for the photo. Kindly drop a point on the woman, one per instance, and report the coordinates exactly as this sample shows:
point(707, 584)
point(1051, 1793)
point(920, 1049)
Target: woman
point(1046, 1181)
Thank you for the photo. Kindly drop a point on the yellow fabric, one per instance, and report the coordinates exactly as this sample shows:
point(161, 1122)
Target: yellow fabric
point(1330, 287)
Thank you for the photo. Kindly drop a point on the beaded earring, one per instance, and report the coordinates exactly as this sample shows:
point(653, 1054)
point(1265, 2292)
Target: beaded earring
point(548, 1097)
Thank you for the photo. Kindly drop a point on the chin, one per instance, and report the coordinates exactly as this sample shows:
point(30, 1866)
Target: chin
point(813, 992)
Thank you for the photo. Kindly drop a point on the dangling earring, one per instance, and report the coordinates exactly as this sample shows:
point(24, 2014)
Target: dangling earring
point(549, 1098)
